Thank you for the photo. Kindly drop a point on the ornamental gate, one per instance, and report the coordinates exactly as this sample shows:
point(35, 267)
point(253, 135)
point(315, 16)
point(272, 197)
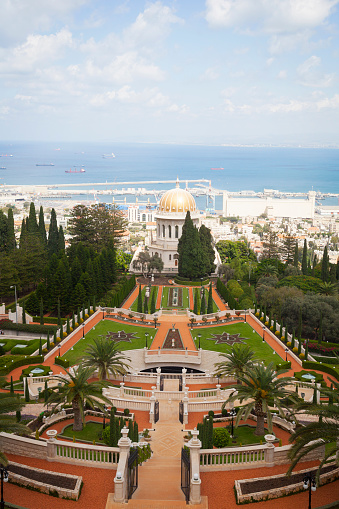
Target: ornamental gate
point(132, 479)
point(185, 473)
point(156, 411)
point(181, 412)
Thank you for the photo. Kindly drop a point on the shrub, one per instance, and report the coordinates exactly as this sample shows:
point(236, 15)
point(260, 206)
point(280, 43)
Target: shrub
point(295, 349)
point(289, 343)
point(211, 413)
point(76, 324)
point(262, 319)
point(91, 312)
point(81, 320)
point(61, 362)
point(86, 316)
point(266, 323)
point(44, 350)
point(64, 334)
point(126, 411)
point(58, 340)
point(271, 328)
point(224, 412)
point(71, 329)
point(302, 356)
point(114, 409)
point(221, 437)
point(277, 333)
point(52, 344)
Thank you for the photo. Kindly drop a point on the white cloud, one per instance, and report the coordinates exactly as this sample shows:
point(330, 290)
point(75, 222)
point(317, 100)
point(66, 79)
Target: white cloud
point(274, 16)
point(282, 74)
point(210, 74)
point(309, 74)
point(37, 50)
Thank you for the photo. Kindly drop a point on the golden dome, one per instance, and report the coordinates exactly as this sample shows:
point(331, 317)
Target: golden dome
point(177, 200)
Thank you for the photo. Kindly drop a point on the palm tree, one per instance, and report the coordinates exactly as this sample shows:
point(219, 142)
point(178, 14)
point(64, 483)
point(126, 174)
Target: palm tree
point(261, 389)
point(324, 431)
point(8, 423)
point(327, 288)
point(77, 390)
point(105, 356)
point(237, 361)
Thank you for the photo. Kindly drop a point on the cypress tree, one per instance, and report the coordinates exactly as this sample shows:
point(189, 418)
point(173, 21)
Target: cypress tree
point(48, 345)
point(41, 312)
point(26, 390)
point(83, 312)
point(73, 321)
point(18, 416)
point(112, 429)
point(94, 304)
point(12, 386)
point(11, 242)
point(274, 325)
point(296, 255)
point(145, 305)
point(210, 433)
point(292, 341)
point(153, 302)
point(210, 300)
point(207, 248)
point(42, 228)
point(130, 430)
point(59, 316)
point(23, 233)
point(24, 311)
point(32, 225)
point(40, 347)
point(53, 235)
point(325, 266)
point(54, 337)
point(139, 308)
point(195, 307)
point(61, 239)
point(68, 329)
point(299, 345)
point(320, 330)
point(300, 323)
point(306, 350)
point(304, 259)
point(46, 392)
point(191, 261)
point(203, 303)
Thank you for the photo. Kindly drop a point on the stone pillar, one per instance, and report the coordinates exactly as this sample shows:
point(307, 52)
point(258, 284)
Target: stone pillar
point(185, 401)
point(51, 444)
point(184, 371)
point(151, 412)
point(219, 391)
point(122, 392)
point(195, 484)
point(158, 378)
point(120, 480)
point(269, 457)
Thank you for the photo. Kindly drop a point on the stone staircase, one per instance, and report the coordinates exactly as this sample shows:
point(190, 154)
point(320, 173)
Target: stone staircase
point(155, 504)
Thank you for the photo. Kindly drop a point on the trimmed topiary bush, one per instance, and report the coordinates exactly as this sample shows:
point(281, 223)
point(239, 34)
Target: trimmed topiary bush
point(221, 437)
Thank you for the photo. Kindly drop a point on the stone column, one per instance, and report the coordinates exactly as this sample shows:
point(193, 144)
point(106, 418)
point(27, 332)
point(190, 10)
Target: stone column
point(151, 412)
point(120, 480)
point(185, 401)
point(158, 378)
point(122, 392)
point(218, 391)
point(269, 457)
point(195, 488)
point(184, 371)
point(51, 444)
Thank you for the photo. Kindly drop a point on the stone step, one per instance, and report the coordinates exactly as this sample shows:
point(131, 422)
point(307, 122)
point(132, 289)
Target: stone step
point(154, 504)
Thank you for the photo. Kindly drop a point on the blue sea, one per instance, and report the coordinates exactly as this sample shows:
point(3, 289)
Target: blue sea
point(244, 168)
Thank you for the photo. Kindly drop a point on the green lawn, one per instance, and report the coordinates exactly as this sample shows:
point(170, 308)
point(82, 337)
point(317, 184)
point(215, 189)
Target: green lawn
point(91, 431)
point(102, 329)
point(244, 435)
point(154, 290)
point(165, 294)
point(262, 350)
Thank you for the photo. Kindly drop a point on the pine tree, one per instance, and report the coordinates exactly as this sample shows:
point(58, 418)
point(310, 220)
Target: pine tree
point(288, 249)
point(210, 300)
point(304, 259)
point(61, 239)
point(191, 262)
point(41, 227)
point(207, 248)
point(23, 233)
point(139, 308)
point(325, 266)
point(270, 245)
point(32, 225)
point(26, 390)
point(40, 347)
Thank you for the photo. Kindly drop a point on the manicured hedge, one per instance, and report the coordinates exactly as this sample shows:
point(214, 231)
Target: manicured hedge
point(9, 344)
point(283, 365)
point(37, 359)
point(326, 360)
point(31, 347)
point(49, 319)
point(61, 362)
point(26, 371)
point(24, 327)
point(321, 367)
point(187, 282)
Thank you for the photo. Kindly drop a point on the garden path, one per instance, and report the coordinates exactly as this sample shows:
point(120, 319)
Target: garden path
point(128, 303)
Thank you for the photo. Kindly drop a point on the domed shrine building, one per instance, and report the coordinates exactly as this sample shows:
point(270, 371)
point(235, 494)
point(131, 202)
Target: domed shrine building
point(170, 219)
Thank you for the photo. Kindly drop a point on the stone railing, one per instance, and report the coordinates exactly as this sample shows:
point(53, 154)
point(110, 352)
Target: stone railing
point(164, 356)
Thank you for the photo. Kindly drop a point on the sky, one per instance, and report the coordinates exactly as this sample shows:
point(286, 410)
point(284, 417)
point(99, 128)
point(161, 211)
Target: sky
point(175, 71)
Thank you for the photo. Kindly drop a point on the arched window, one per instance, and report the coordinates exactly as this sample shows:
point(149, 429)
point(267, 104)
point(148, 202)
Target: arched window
point(163, 230)
point(177, 232)
point(176, 263)
point(170, 257)
point(170, 231)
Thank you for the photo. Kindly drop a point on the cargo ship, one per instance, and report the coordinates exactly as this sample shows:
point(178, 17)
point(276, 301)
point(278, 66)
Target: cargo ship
point(82, 170)
point(44, 164)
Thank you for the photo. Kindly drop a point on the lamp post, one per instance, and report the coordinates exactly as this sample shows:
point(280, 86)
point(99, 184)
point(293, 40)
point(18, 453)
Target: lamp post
point(83, 330)
point(146, 336)
point(199, 336)
point(286, 350)
point(16, 306)
point(59, 351)
point(4, 478)
point(103, 314)
point(263, 334)
point(311, 485)
point(233, 413)
point(245, 314)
